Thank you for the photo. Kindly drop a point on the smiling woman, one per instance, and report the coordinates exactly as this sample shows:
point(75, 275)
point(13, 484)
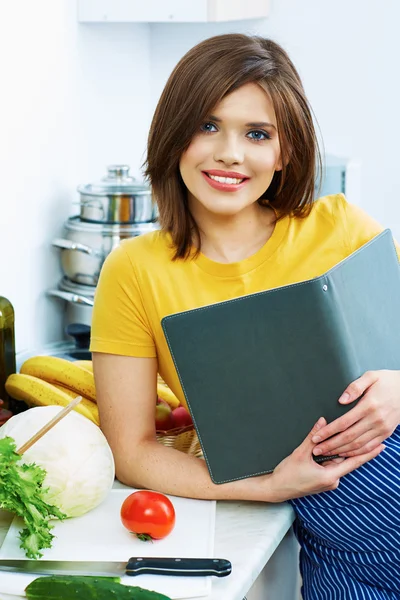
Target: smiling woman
point(231, 159)
point(249, 109)
point(228, 139)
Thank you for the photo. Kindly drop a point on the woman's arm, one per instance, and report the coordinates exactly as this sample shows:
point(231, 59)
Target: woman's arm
point(126, 396)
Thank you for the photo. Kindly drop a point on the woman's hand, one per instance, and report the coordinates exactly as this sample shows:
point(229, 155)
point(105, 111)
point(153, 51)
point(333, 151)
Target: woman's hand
point(372, 420)
point(299, 475)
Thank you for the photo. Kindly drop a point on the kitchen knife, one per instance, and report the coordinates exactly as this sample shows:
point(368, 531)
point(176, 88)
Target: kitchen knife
point(188, 567)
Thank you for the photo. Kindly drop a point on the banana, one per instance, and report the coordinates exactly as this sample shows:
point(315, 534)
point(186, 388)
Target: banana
point(37, 392)
point(67, 391)
point(166, 394)
point(85, 364)
point(89, 404)
point(63, 372)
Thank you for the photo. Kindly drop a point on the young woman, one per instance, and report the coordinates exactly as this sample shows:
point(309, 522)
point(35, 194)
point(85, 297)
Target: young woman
point(232, 156)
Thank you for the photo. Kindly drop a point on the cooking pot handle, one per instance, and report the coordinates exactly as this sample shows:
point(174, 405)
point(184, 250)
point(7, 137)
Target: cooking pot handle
point(69, 245)
point(70, 297)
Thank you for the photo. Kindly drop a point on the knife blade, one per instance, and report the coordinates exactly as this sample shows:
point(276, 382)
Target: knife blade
point(188, 567)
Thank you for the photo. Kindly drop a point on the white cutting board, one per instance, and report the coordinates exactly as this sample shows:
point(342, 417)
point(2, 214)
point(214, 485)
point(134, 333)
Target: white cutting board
point(100, 535)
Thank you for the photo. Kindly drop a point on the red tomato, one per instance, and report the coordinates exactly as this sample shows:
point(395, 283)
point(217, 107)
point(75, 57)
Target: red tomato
point(149, 515)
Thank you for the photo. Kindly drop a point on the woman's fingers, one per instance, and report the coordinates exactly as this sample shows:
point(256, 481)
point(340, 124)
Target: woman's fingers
point(358, 387)
point(330, 476)
point(359, 443)
point(354, 462)
point(299, 475)
point(338, 428)
point(356, 390)
point(367, 447)
point(307, 444)
point(353, 438)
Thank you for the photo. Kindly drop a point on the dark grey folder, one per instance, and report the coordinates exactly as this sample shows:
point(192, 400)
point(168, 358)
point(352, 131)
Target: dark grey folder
point(259, 370)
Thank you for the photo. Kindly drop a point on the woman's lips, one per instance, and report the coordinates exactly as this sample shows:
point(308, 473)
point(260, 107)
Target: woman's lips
point(224, 187)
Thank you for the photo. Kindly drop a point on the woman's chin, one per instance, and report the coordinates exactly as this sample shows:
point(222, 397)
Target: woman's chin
point(226, 209)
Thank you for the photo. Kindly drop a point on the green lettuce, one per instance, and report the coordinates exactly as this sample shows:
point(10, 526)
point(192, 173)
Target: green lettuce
point(22, 493)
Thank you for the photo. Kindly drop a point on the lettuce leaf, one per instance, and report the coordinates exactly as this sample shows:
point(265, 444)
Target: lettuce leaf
point(21, 493)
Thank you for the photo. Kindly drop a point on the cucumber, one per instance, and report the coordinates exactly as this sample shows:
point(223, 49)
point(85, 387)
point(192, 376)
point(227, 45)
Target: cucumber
point(73, 587)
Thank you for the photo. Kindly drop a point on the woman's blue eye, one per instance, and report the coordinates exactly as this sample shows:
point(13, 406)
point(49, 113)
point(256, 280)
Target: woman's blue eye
point(208, 127)
point(258, 135)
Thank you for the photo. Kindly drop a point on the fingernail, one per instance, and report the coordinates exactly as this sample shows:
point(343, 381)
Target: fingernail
point(344, 397)
point(318, 424)
point(316, 439)
point(317, 451)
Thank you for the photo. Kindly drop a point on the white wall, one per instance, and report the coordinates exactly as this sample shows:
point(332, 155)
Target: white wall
point(78, 97)
point(74, 98)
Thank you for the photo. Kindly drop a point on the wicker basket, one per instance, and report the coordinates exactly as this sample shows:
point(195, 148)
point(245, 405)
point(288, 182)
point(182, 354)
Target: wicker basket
point(184, 439)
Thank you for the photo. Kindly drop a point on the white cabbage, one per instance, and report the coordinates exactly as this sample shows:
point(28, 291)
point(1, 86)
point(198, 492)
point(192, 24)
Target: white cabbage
point(75, 454)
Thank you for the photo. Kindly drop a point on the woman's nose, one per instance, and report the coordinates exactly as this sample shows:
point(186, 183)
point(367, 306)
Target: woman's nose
point(228, 151)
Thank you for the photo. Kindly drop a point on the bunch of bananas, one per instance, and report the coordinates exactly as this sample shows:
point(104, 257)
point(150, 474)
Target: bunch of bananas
point(164, 392)
point(49, 380)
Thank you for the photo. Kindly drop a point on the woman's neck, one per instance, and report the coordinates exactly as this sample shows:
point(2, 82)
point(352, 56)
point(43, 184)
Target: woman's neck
point(228, 240)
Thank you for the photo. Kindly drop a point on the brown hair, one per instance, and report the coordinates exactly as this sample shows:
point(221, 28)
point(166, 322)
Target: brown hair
point(205, 75)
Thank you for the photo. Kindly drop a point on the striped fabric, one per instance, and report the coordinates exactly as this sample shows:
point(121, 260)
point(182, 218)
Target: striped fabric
point(350, 537)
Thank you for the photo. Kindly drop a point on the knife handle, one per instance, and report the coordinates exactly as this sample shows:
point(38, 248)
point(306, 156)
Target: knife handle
point(189, 567)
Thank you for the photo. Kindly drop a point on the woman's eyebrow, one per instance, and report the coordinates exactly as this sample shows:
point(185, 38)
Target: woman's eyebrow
point(255, 124)
point(261, 124)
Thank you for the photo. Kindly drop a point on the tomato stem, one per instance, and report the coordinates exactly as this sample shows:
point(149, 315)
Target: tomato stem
point(144, 537)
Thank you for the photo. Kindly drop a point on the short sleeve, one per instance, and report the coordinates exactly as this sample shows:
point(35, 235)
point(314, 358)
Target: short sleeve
point(360, 227)
point(119, 321)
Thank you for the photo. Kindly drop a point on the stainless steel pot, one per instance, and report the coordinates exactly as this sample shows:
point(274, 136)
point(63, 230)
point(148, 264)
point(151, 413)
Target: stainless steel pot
point(86, 245)
point(117, 198)
point(78, 301)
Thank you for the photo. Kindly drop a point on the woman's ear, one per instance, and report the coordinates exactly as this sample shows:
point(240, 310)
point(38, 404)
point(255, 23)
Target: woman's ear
point(278, 166)
point(284, 158)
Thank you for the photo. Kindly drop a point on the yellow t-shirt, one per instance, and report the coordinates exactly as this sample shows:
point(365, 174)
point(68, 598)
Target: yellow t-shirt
point(139, 283)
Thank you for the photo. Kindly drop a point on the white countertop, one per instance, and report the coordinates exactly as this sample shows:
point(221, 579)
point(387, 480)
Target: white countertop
point(247, 534)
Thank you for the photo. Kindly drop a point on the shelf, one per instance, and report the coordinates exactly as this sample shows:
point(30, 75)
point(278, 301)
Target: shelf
point(170, 11)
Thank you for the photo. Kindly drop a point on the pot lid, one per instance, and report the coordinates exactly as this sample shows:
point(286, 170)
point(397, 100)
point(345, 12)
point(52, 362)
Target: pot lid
point(116, 182)
point(80, 289)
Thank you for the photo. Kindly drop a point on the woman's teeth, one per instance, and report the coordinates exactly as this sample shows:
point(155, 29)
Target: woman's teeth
point(231, 180)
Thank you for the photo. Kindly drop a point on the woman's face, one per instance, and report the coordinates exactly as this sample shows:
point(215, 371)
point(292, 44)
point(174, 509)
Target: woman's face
point(232, 159)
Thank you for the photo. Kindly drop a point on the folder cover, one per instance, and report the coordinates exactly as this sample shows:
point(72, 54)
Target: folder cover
point(258, 371)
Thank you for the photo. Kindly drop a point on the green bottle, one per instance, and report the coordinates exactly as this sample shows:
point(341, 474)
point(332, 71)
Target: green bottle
point(7, 347)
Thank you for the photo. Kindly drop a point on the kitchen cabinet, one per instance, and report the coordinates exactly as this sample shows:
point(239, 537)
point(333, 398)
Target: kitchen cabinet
point(170, 11)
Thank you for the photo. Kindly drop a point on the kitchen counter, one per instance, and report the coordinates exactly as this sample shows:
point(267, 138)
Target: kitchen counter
point(258, 540)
